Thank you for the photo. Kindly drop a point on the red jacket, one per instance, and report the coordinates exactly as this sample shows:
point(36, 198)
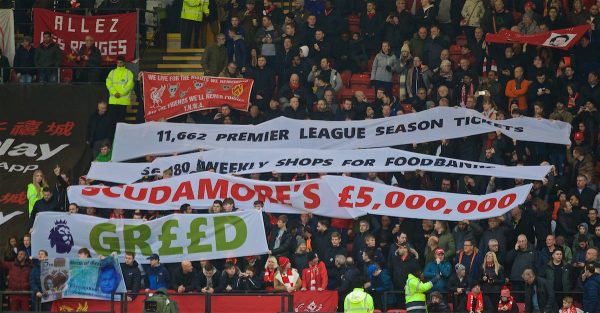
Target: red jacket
point(19, 274)
point(320, 276)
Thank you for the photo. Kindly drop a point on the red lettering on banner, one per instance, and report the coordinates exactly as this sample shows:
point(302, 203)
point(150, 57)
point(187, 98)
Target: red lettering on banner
point(282, 193)
point(64, 129)
point(264, 193)
point(207, 191)
point(14, 198)
point(90, 191)
point(107, 191)
point(238, 194)
point(163, 191)
point(309, 193)
point(140, 196)
point(26, 128)
point(184, 190)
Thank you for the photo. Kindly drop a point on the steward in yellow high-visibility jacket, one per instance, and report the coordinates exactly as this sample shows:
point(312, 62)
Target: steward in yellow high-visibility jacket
point(415, 290)
point(194, 10)
point(119, 83)
point(358, 301)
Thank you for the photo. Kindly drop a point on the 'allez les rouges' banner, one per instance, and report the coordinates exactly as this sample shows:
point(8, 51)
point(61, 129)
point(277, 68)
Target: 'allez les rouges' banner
point(133, 141)
point(247, 161)
point(332, 196)
point(171, 95)
point(174, 237)
point(114, 34)
point(40, 127)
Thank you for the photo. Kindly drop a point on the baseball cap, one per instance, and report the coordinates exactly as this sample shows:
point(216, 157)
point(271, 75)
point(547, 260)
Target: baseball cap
point(439, 251)
point(154, 256)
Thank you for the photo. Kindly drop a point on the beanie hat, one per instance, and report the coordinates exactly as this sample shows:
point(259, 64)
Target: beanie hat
point(304, 51)
point(579, 135)
point(584, 225)
point(405, 47)
point(459, 267)
point(311, 256)
point(300, 241)
point(283, 261)
point(371, 270)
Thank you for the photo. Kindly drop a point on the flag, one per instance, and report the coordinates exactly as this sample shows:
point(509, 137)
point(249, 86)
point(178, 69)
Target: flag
point(559, 38)
point(7, 34)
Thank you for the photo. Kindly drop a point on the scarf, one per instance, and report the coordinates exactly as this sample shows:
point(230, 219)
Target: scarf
point(518, 83)
point(314, 273)
point(478, 305)
point(572, 100)
point(508, 305)
point(464, 93)
point(269, 275)
point(288, 278)
point(571, 309)
point(370, 15)
point(328, 12)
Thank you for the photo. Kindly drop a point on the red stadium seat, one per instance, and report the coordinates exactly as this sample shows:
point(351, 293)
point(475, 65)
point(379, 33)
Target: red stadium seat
point(354, 23)
point(362, 79)
point(395, 311)
point(461, 40)
point(346, 75)
point(521, 307)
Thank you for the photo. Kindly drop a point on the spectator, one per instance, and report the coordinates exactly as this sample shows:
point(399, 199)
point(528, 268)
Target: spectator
point(131, 275)
point(459, 283)
point(446, 240)
point(35, 283)
point(476, 301)
point(18, 280)
point(246, 280)
point(507, 303)
point(492, 276)
point(228, 279)
point(558, 272)
point(383, 68)
point(336, 273)
point(436, 303)
point(591, 288)
point(516, 89)
point(379, 283)
point(439, 267)
point(315, 276)
point(585, 194)
point(567, 306)
point(100, 128)
point(105, 154)
point(214, 59)
point(208, 279)
point(521, 258)
point(25, 57)
point(47, 59)
point(11, 249)
point(185, 278)
point(331, 75)
point(46, 204)
point(539, 296)
point(300, 258)
point(371, 24)
point(399, 264)
point(264, 83)
point(157, 275)
point(88, 56)
point(34, 189)
point(286, 278)
point(471, 259)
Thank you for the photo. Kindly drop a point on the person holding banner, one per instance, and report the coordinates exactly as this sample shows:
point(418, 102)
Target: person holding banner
point(119, 83)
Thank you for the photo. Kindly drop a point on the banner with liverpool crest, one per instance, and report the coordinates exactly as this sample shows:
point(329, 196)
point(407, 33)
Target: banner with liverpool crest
point(171, 95)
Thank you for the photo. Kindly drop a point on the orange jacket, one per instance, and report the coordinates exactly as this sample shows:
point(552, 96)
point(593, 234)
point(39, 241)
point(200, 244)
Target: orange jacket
point(511, 93)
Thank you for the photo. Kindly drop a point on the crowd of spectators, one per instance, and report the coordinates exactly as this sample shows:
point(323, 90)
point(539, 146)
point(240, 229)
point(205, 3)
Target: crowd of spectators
point(307, 64)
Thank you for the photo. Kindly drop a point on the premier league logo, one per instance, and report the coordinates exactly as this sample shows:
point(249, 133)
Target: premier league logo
point(60, 236)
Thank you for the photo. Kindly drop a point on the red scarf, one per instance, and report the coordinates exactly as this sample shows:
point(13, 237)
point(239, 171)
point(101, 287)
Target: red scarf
point(269, 275)
point(370, 15)
point(314, 273)
point(508, 305)
point(571, 309)
point(285, 279)
point(464, 93)
point(479, 305)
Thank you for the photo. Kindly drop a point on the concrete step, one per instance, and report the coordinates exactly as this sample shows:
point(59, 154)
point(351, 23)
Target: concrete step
point(182, 58)
point(184, 50)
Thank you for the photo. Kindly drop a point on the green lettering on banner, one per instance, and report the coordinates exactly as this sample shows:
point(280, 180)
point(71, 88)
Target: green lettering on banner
point(167, 237)
point(131, 241)
point(195, 235)
point(99, 243)
point(241, 232)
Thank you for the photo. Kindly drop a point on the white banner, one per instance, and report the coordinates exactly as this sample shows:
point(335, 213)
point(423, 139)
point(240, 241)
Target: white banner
point(247, 161)
point(333, 196)
point(7, 35)
point(174, 237)
point(133, 141)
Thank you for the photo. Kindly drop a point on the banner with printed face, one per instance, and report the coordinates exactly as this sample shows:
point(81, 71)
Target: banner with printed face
point(170, 95)
point(174, 237)
point(133, 141)
point(563, 39)
point(114, 35)
point(248, 161)
point(81, 278)
point(7, 36)
point(332, 196)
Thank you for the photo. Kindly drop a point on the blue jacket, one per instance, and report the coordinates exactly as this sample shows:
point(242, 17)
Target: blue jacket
point(591, 289)
point(24, 58)
point(157, 277)
point(443, 269)
point(238, 52)
point(35, 283)
point(473, 264)
point(381, 284)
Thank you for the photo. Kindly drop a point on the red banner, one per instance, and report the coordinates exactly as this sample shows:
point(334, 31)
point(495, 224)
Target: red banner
point(559, 38)
point(169, 95)
point(114, 34)
point(304, 301)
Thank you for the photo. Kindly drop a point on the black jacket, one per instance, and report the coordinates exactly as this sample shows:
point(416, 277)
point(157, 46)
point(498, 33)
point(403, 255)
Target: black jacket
point(248, 283)
point(42, 206)
point(545, 295)
point(285, 244)
point(487, 305)
point(132, 276)
point(189, 280)
point(399, 269)
point(216, 278)
point(24, 58)
point(100, 127)
point(225, 281)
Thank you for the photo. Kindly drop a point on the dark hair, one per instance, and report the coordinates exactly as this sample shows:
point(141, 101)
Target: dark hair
point(85, 251)
point(130, 253)
point(228, 200)
point(46, 189)
point(47, 33)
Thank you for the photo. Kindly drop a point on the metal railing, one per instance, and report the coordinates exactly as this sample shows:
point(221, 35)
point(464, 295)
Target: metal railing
point(101, 72)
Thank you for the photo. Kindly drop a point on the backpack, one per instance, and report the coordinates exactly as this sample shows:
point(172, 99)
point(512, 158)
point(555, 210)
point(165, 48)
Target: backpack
point(159, 302)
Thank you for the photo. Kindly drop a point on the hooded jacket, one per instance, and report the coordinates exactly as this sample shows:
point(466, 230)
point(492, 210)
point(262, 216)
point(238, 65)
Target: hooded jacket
point(132, 276)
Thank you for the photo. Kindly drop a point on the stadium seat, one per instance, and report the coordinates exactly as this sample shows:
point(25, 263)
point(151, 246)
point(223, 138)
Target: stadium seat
point(376, 311)
point(395, 311)
point(369, 93)
point(461, 40)
point(521, 307)
point(346, 75)
point(354, 23)
point(516, 17)
point(344, 94)
point(360, 80)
